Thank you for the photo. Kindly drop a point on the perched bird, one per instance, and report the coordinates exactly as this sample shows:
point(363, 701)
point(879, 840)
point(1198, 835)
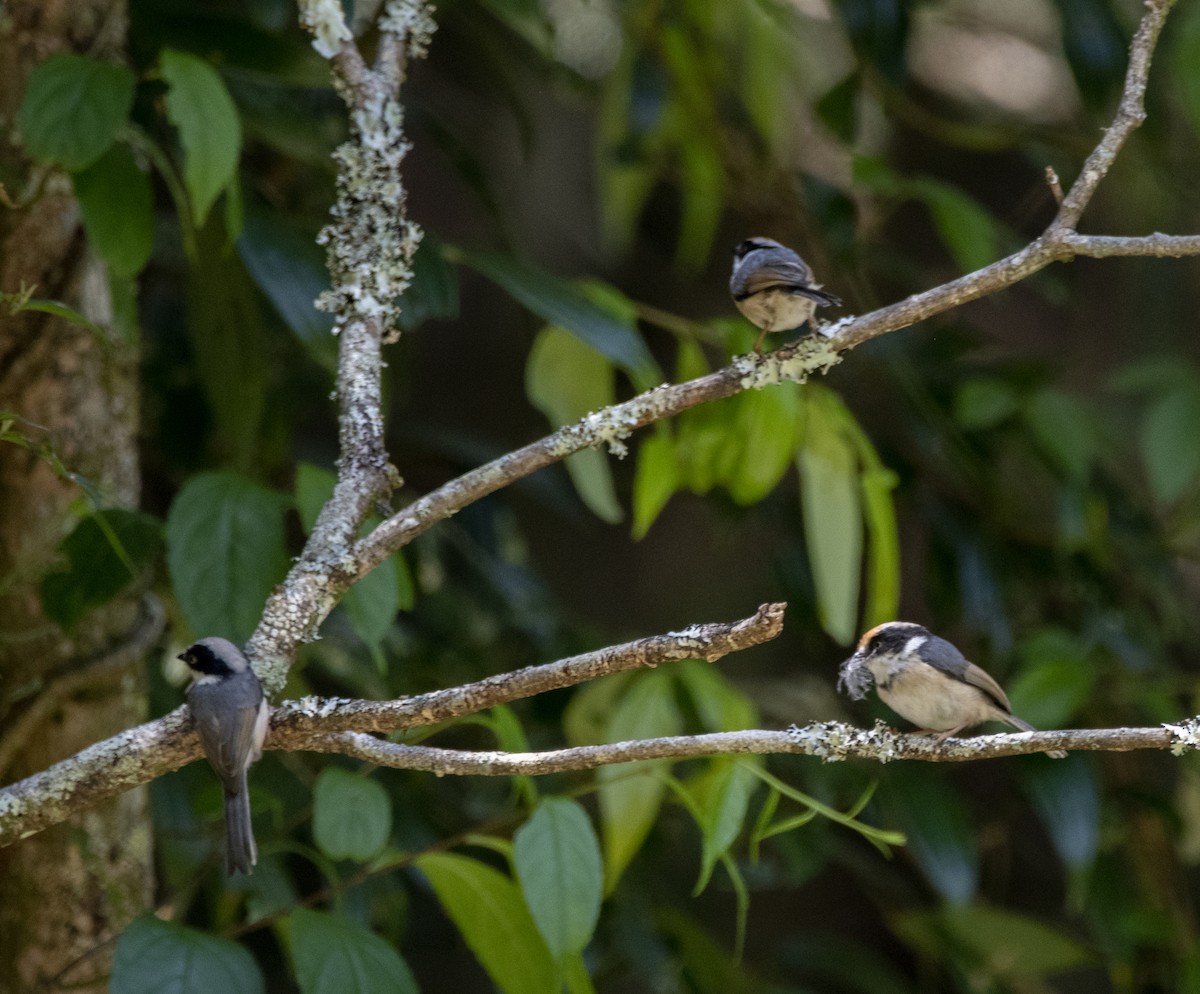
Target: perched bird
point(230, 714)
point(773, 287)
point(926, 680)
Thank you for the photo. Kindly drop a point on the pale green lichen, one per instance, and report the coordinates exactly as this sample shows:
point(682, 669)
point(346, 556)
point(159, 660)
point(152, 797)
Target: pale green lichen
point(833, 741)
point(371, 242)
point(815, 354)
point(412, 22)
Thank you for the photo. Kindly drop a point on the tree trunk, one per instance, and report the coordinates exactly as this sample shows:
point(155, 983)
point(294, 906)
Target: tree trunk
point(66, 892)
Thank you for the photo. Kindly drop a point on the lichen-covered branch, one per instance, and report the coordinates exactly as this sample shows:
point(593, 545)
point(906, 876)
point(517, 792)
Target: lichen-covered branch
point(795, 363)
point(140, 754)
point(370, 245)
point(292, 722)
point(829, 741)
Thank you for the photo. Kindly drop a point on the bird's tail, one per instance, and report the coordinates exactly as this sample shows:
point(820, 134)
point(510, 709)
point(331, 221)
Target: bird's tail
point(823, 297)
point(240, 851)
point(1024, 726)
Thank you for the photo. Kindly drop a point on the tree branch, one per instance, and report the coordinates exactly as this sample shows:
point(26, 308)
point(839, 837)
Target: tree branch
point(291, 723)
point(371, 244)
point(796, 362)
point(829, 741)
point(368, 274)
point(1131, 112)
point(140, 754)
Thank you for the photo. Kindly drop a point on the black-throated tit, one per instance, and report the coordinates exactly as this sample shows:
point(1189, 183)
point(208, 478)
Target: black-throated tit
point(230, 714)
point(926, 680)
point(773, 287)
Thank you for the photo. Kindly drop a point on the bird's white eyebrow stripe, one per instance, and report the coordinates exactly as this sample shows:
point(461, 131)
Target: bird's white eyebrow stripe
point(913, 645)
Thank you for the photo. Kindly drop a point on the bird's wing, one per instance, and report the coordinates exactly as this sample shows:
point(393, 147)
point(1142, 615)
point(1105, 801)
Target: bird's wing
point(226, 734)
point(946, 657)
point(783, 274)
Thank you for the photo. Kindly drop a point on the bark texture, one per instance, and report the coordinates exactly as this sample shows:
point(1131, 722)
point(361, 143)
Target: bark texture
point(67, 891)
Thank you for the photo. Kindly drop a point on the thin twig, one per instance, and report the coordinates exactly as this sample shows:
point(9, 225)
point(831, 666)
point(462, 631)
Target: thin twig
point(1055, 185)
point(1130, 114)
point(830, 741)
point(708, 642)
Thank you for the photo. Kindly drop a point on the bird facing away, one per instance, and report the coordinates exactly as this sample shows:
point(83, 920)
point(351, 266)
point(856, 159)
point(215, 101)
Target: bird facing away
point(230, 714)
point(773, 287)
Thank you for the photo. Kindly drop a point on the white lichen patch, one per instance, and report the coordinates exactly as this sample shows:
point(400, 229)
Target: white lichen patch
point(833, 741)
point(319, 707)
point(692, 637)
point(813, 355)
point(610, 427)
point(326, 21)
point(1185, 736)
point(370, 241)
point(412, 22)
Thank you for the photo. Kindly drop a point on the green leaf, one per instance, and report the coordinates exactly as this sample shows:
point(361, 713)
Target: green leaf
point(723, 795)
point(373, 602)
point(720, 706)
point(1063, 430)
point(939, 832)
point(708, 966)
point(631, 794)
point(701, 191)
point(118, 210)
point(224, 552)
point(585, 720)
point(968, 230)
point(1055, 679)
point(227, 334)
point(984, 403)
point(314, 487)
point(334, 955)
point(833, 524)
point(1168, 441)
point(766, 430)
point(1185, 56)
point(883, 547)
point(1067, 798)
point(654, 481)
point(153, 956)
point(433, 292)
point(53, 307)
point(997, 943)
point(352, 816)
point(558, 865)
point(288, 266)
point(561, 304)
point(105, 552)
point(73, 108)
point(1154, 375)
point(488, 909)
point(200, 106)
point(565, 379)
point(838, 108)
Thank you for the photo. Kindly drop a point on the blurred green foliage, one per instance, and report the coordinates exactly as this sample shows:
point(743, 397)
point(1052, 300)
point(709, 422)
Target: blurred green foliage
point(1022, 476)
